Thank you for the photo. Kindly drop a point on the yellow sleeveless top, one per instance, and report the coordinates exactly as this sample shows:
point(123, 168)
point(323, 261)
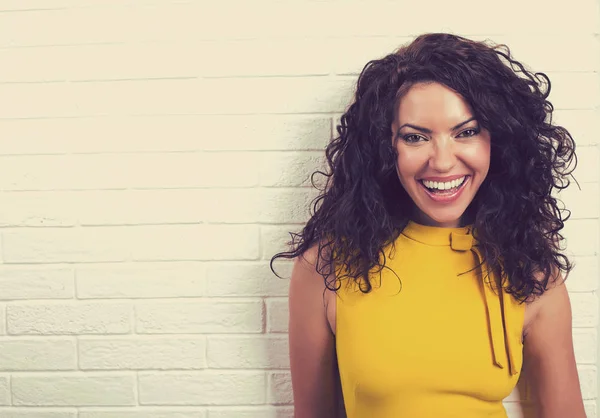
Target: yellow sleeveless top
point(431, 342)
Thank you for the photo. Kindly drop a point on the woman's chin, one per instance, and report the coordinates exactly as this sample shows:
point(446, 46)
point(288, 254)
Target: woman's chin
point(447, 220)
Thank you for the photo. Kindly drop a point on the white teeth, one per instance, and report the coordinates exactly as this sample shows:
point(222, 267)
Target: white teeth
point(444, 185)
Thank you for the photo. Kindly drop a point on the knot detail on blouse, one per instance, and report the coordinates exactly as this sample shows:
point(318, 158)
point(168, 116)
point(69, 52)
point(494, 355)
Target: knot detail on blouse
point(461, 239)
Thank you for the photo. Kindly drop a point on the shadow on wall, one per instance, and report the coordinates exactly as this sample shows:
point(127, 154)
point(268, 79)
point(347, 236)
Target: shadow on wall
point(286, 196)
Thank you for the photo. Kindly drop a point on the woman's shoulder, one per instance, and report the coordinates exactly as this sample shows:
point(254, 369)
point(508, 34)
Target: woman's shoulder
point(536, 304)
point(308, 291)
point(309, 263)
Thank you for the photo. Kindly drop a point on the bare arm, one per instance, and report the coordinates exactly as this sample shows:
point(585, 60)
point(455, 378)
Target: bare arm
point(312, 345)
point(549, 357)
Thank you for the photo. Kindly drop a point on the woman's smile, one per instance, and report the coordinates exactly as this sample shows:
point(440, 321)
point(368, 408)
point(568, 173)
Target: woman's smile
point(445, 192)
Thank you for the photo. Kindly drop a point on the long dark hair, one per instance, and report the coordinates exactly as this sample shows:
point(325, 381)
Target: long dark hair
point(517, 222)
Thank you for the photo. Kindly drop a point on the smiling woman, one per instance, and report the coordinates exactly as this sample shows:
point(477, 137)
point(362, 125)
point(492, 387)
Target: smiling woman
point(430, 272)
point(441, 163)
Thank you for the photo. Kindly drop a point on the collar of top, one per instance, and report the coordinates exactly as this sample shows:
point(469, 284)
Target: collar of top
point(460, 238)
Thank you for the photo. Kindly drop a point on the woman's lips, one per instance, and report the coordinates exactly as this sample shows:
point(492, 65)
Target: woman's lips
point(446, 197)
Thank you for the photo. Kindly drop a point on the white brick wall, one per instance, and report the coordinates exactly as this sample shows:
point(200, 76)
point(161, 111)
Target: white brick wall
point(154, 154)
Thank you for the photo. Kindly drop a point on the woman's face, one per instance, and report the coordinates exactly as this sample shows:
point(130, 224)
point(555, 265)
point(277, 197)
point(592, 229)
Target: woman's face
point(443, 153)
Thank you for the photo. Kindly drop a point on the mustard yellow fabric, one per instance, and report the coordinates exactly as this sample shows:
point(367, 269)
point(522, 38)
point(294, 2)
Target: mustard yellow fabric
point(431, 342)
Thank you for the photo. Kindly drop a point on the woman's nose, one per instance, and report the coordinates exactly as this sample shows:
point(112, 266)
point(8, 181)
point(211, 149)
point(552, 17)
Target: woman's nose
point(443, 157)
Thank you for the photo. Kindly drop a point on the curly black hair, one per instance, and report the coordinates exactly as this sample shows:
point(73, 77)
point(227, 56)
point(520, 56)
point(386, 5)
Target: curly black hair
point(517, 221)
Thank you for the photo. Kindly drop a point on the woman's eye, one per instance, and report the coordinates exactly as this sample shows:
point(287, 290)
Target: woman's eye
point(468, 133)
point(411, 139)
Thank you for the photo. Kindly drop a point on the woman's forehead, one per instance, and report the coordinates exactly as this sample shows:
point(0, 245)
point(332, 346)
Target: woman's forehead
point(433, 104)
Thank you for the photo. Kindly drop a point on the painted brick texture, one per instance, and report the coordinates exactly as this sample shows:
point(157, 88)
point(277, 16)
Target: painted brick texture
point(154, 155)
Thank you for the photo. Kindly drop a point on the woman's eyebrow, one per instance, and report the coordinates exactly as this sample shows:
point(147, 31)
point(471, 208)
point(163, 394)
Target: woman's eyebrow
point(428, 131)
